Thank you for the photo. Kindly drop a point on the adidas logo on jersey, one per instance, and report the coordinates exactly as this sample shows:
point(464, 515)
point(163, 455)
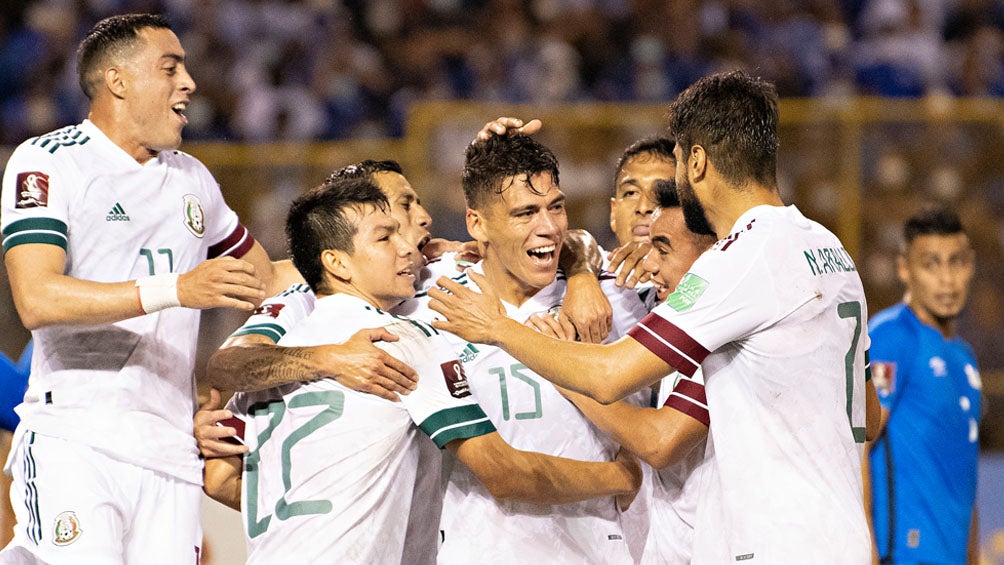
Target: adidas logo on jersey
point(469, 353)
point(117, 214)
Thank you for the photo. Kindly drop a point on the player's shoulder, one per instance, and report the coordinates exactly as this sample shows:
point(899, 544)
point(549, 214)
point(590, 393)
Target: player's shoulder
point(59, 142)
point(895, 320)
point(177, 158)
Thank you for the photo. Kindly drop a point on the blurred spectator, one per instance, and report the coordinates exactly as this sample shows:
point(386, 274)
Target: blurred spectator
point(303, 70)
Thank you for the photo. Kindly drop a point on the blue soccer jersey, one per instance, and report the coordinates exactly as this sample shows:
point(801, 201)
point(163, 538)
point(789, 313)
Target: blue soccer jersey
point(924, 464)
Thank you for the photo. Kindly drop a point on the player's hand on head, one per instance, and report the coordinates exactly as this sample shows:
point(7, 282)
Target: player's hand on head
point(465, 250)
point(627, 260)
point(221, 282)
point(551, 326)
point(364, 367)
point(474, 316)
point(507, 126)
point(629, 462)
point(214, 438)
point(587, 308)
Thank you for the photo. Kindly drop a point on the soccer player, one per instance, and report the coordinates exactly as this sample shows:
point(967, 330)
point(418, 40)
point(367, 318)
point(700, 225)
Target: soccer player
point(516, 213)
point(339, 476)
point(106, 232)
point(670, 438)
point(773, 314)
point(642, 164)
point(923, 465)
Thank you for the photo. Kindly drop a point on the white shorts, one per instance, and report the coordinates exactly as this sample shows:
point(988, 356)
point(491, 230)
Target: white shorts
point(76, 505)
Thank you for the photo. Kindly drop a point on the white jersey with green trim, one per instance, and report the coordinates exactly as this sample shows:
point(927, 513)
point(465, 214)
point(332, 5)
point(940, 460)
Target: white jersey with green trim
point(532, 415)
point(676, 489)
point(126, 388)
point(774, 314)
point(338, 476)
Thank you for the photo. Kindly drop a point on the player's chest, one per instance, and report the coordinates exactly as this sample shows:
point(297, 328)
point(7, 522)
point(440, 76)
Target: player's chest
point(946, 384)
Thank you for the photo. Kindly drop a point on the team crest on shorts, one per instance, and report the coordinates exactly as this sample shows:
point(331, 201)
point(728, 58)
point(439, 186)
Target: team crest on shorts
point(66, 529)
point(32, 190)
point(195, 217)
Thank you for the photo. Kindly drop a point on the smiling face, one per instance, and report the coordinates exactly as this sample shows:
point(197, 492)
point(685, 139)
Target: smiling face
point(937, 270)
point(522, 231)
point(674, 250)
point(633, 201)
point(380, 268)
point(154, 93)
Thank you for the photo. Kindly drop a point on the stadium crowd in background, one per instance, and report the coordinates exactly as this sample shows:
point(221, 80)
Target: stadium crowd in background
point(299, 70)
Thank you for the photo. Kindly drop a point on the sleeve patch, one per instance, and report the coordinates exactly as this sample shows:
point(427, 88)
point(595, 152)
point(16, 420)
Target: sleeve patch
point(32, 190)
point(884, 377)
point(690, 288)
point(270, 310)
point(456, 379)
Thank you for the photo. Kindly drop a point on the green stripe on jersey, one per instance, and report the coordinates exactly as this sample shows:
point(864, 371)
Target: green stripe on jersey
point(34, 230)
point(271, 331)
point(460, 422)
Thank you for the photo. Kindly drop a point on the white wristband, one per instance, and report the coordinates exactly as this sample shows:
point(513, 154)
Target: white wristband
point(157, 292)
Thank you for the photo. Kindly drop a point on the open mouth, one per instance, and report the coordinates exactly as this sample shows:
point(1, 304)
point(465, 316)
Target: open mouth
point(180, 109)
point(542, 255)
point(424, 241)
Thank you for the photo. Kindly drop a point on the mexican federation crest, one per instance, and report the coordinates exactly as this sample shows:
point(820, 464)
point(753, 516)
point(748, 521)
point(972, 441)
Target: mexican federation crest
point(195, 217)
point(66, 529)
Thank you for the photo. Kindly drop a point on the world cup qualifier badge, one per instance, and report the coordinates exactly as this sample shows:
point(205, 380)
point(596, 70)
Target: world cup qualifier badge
point(194, 216)
point(32, 190)
point(66, 529)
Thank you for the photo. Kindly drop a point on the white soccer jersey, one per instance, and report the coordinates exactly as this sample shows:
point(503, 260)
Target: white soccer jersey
point(337, 476)
point(676, 489)
point(531, 415)
point(775, 315)
point(127, 388)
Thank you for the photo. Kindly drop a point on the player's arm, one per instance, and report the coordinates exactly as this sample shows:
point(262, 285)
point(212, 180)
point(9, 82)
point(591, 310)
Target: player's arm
point(250, 362)
point(44, 296)
point(512, 474)
point(222, 480)
point(221, 475)
point(875, 415)
point(277, 276)
point(660, 437)
point(585, 305)
point(605, 373)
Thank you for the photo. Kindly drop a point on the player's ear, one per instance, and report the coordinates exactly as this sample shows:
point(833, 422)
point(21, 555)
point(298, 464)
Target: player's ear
point(476, 225)
point(903, 269)
point(336, 264)
point(613, 218)
point(114, 81)
point(697, 163)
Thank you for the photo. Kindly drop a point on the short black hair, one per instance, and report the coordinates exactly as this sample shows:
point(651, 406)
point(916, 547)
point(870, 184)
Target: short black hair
point(658, 145)
point(317, 222)
point(488, 163)
point(935, 220)
point(734, 117)
point(365, 169)
point(110, 34)
point(665, 194)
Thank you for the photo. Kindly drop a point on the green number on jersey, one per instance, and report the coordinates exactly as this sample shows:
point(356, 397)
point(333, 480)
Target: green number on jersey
point(334, 402)
point(852, 310)
point(516, 370)
point(162, 251)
